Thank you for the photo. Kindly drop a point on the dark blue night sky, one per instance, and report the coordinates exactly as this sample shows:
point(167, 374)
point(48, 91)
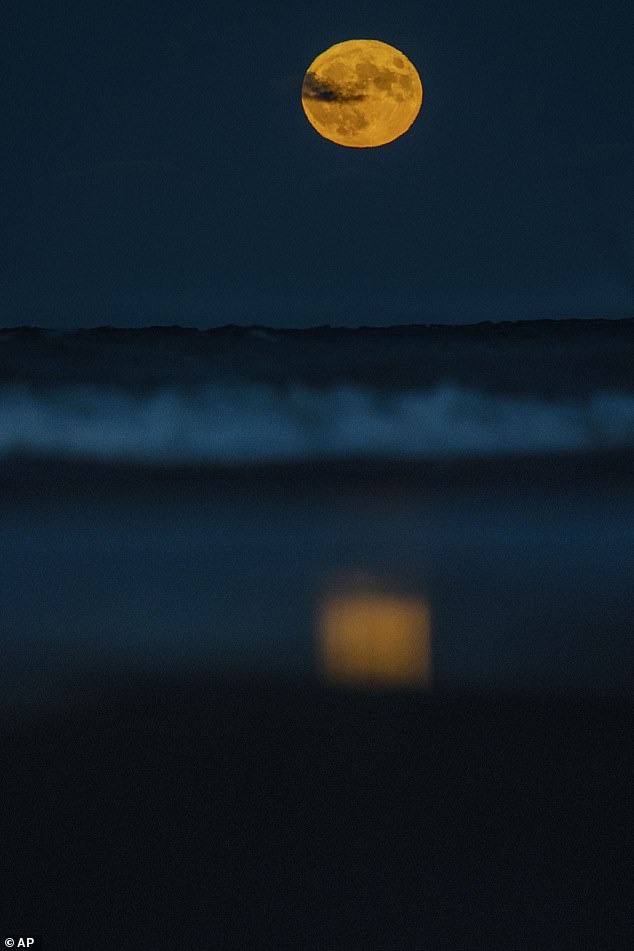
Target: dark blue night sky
point(157, 166)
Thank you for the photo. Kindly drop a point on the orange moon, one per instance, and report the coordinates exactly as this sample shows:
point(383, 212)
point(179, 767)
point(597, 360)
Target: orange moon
point(361, 93)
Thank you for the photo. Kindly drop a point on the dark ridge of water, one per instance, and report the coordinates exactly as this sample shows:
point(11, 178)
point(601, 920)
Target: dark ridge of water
point(549, 357)
point(481, 328)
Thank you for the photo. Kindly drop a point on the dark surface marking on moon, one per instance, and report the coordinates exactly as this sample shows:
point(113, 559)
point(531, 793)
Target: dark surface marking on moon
point(326, 91)
point(383, 77)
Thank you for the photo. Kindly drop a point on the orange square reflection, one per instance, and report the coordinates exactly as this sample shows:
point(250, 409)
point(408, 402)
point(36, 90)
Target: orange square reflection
point(376, 639)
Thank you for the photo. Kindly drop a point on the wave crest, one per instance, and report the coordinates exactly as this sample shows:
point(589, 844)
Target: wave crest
point(256, 423)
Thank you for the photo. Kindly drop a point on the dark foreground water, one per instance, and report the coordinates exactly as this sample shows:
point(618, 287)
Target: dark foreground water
point(259, 813)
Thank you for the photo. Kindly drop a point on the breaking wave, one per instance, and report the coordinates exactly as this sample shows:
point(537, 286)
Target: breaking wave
point(243, 423)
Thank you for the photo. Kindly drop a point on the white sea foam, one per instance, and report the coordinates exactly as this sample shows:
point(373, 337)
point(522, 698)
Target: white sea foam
point(255, 423)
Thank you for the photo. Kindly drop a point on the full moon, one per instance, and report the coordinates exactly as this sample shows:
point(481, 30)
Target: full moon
point(361, 93)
